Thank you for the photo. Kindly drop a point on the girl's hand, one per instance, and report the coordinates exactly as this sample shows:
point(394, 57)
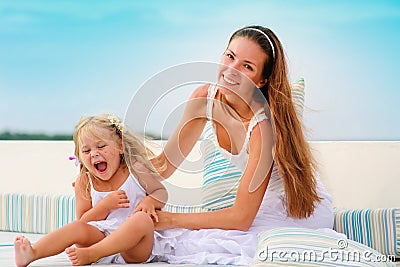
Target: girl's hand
point(115, 200)
point(164, 220)
point(147, 205)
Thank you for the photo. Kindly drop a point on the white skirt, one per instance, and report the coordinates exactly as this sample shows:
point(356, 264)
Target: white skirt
point(107, 227)
point(206, 246)
point(233, 247)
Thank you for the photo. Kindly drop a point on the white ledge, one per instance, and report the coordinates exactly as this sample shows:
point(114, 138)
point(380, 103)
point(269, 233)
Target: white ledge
point(358, 174)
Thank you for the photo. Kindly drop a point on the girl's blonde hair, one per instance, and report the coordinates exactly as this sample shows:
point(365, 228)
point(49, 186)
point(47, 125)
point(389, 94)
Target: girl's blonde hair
point(292, 152)
point(133, 146)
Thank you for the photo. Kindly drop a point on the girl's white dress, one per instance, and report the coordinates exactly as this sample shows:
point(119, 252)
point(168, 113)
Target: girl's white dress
point(135, 193)
point(216, 246)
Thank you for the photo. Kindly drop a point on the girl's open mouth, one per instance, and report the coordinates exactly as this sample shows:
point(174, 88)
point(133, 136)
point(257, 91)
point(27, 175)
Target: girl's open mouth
point(101, 166)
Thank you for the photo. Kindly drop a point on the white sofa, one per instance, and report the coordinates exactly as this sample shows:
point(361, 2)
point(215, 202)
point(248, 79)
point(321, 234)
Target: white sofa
point(359, 175)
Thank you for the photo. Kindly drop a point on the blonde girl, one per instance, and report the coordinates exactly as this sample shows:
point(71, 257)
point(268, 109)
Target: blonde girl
point(116, 183)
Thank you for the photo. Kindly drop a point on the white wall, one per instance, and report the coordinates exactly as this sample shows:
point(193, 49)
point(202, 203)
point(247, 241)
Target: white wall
point(37, 166)
point(360, 174)
point(357, 174)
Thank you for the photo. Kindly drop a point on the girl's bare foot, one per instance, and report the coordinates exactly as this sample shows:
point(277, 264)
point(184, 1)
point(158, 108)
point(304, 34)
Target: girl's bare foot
point(23, 251)
point(79, 256)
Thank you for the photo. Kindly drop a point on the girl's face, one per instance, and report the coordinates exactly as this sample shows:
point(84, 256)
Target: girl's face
point(243, 57)
point(100, 153)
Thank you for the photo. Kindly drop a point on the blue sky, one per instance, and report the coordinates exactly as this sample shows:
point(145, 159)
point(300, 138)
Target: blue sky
point(62, 59)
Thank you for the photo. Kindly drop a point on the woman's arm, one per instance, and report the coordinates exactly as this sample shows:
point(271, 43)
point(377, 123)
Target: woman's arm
point(151, 183)
point(187, 133)
point(249, 196)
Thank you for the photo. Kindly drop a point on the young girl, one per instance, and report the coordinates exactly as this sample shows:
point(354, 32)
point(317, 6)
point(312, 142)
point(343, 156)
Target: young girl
point(116, 183)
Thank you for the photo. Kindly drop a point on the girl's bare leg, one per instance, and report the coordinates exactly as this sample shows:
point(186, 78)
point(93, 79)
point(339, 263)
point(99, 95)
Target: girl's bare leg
point(55, 242)
point(133, 239)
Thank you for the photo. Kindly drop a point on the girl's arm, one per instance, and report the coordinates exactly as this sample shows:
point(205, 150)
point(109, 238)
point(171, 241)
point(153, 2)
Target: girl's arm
point(250, 193)
point(84, 210)
point(83, 203)
point(186, 134)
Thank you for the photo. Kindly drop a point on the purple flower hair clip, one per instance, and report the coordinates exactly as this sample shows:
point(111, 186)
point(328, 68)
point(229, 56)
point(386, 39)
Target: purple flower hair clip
point(77, 163)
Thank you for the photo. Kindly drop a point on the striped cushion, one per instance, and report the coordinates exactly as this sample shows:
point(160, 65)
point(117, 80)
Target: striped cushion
point(307, 247)
point(182, 208)
point(35, 213)
point(220, 177)
point(376, 228)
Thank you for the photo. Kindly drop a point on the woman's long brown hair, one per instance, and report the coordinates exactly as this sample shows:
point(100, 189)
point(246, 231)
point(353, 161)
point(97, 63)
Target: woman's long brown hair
point(293, 157)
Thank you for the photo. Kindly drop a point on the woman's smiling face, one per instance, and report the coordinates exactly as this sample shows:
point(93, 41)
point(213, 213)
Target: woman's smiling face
point(243, 57)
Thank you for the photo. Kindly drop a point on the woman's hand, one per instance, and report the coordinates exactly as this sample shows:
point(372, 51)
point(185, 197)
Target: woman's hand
point(164, 220)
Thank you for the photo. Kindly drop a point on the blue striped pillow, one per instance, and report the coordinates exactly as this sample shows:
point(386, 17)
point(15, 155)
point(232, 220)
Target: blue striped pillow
point(220, 177)
point(376, 228)
point(308, 247)
point(35, 213)
point(175, 208)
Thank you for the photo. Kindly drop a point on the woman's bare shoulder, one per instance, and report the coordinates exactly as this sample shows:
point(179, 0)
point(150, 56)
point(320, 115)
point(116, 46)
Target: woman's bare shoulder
point(200, 92)
point(196, 106)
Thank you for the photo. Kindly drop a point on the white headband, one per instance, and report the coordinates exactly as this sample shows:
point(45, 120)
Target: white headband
point(269, 40)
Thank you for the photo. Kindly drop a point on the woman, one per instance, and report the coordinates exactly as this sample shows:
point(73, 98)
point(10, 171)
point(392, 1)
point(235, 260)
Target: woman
point(278, 186)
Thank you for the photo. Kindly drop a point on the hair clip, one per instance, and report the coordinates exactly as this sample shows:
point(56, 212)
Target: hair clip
point(77, 163)
point(116, 123)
